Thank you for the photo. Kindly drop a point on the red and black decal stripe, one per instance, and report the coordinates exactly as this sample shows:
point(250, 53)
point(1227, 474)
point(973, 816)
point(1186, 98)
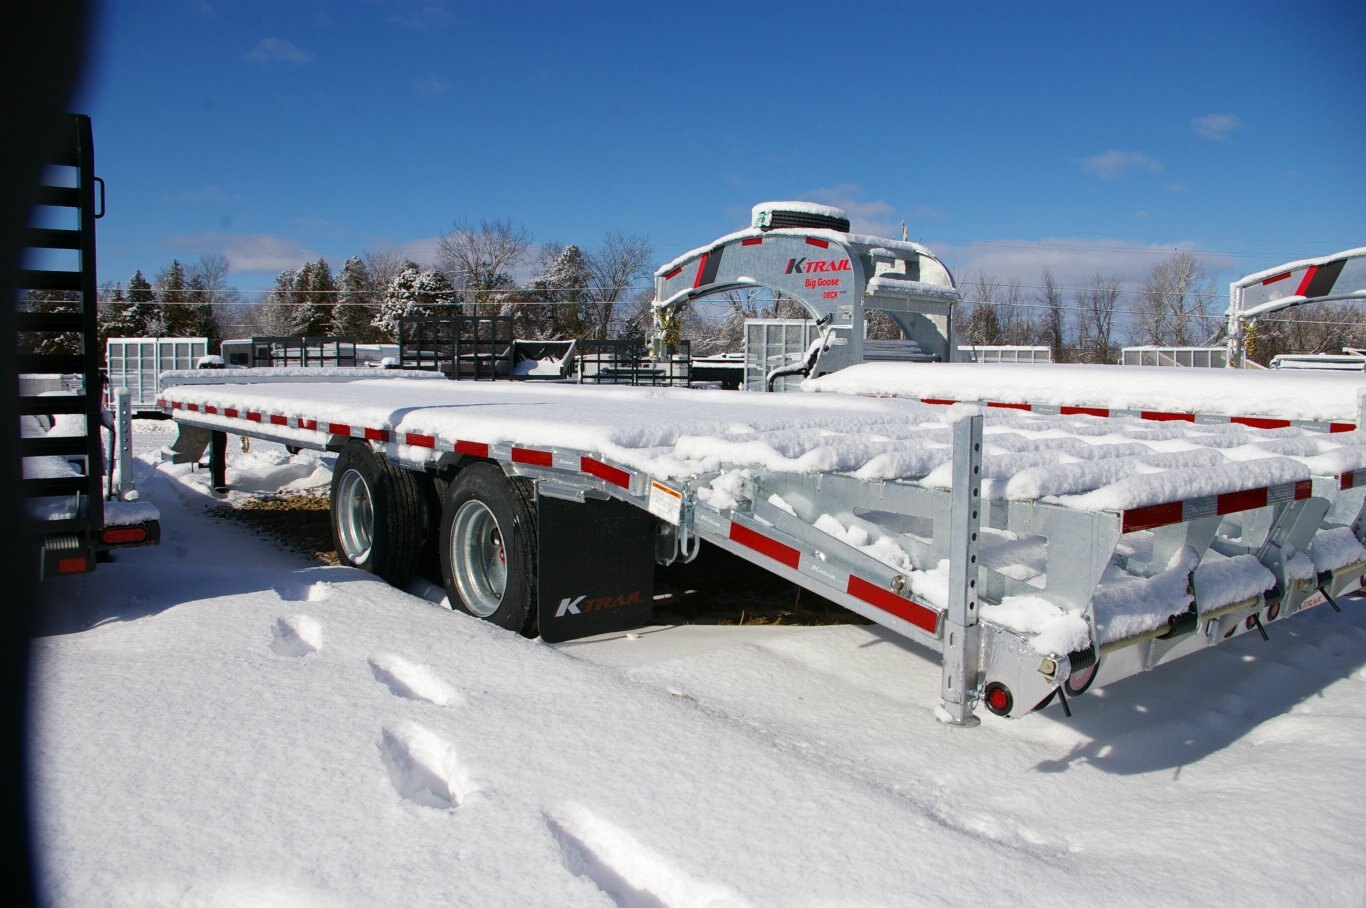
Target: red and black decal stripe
point(707, 267)
point(1319, 279)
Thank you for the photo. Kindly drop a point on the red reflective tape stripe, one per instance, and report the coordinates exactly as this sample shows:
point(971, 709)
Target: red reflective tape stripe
point(1280, 277)
point(1246, 500)
point(926, 619)
point(1308, 277)
point(253, 416)
point(1004, 406)
point(1347, 480)
point(783, 554)
point(419, 441)
point(1162, 416)
point(1342, 427)
point(277, 420)
point(308, 424)
point(752, 241)
point(670, 275)
point(230, 412)
point(701, 269)
point(605, 472)
point(192, 407)
point(336, 428)
point(812, 241)
point(1257, 422)
point(1154, 515)
point(1084, 411)
point(377, 434)
point(1303, 489)
point(211, 409)
point(937, 401)
point(533, 457)
point(472, 448)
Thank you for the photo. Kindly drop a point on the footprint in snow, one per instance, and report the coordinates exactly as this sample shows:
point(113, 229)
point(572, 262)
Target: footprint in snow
point(625, 869)
point(297, 636)
point(424, 767)
point(412, 681)
point(316, 591)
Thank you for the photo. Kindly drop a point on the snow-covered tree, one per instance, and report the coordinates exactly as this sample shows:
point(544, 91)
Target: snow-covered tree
point(552, 306)
point(413, 293)
point(135, 314)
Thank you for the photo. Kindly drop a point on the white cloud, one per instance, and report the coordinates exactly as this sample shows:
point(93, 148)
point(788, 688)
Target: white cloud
point(1114, 163)
point(870, 216)
point(248, 251)
point(277, 50)
point(1216, 126)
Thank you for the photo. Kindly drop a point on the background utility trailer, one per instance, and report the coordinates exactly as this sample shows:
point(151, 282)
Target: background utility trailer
point(1038, 554)
point(135, 362)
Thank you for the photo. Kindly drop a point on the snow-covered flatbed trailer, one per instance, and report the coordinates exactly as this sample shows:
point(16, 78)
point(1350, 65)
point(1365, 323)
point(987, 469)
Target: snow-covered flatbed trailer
point(1039, 554)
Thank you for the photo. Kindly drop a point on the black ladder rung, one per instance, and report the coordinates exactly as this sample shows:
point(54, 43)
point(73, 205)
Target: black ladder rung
point(49, 363)
point(55, 446)
point(54, 486)
point(51, 321)
point(49, 280)
point(59, 196)
point(52, 404)
point(52, 238)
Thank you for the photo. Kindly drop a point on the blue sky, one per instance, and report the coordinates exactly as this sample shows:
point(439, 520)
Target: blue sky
point(1085, 137)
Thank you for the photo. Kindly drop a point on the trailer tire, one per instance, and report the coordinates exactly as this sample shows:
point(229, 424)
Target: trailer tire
point(377, 514)
point(488, 547)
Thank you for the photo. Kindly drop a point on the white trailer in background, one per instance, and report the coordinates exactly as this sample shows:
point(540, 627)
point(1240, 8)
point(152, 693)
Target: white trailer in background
point(135, 363)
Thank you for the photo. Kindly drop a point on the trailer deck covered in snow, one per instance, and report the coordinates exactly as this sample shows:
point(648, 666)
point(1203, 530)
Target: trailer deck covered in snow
point(1039, 553)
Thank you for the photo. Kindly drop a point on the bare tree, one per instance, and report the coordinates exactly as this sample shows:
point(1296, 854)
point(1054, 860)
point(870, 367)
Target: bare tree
point(982, 324)
point(1053, 319)
point(615, 266)
point(1097, 305)
point(1172, 308)
point(383, 265)
point(480, 261)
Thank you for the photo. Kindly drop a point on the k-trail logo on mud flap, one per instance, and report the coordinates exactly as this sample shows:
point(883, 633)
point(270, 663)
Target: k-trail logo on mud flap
point(581, 604)
point(802, 266)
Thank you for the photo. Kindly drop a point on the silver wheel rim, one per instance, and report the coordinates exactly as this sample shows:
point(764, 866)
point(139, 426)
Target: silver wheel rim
point(478, 558)
point(355, 517)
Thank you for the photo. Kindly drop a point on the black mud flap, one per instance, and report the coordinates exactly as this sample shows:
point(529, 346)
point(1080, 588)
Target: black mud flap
point(596, 566)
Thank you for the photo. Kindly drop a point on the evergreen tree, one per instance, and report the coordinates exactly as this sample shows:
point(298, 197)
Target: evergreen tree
point(133, 315)
point(315, 299)
point(553, 308)
point(199, 319)
point(414, 293)
point(171, 292)
point(355, 303)
point(277, 309)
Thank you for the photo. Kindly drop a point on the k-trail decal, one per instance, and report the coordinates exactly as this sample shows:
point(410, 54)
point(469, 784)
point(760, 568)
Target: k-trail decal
point(803, 266)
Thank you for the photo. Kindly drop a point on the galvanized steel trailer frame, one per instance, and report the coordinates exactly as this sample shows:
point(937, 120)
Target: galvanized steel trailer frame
point(771, 525)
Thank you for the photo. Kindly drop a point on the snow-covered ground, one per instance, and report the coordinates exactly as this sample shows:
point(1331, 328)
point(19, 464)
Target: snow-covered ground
point(219, 721)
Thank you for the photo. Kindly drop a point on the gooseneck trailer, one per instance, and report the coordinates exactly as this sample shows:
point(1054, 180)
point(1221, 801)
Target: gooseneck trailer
point(1040, 549)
